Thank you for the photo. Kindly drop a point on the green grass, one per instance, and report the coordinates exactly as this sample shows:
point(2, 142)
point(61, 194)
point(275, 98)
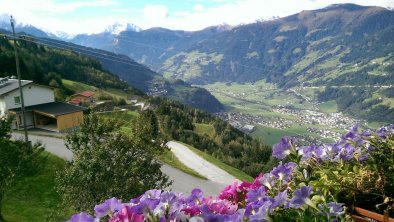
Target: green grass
point(116, 93)
point(329, 107)
point(271, 136)
point(204, 129)
point(33, 198)
point(169, 158)
point(229, 169)
point(126, 115)
point(77, 86)
point(375, 125)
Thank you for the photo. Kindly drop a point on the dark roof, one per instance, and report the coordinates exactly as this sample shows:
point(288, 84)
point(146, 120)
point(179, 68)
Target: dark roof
point(54, 108)
point(11, 84)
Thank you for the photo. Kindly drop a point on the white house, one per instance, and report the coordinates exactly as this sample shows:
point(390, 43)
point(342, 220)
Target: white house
point(41, 109)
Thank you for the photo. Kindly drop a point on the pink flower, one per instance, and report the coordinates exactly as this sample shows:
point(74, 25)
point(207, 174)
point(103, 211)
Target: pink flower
point(192, 211)
point(230, 193)
point(126, 215)
point(223, 207)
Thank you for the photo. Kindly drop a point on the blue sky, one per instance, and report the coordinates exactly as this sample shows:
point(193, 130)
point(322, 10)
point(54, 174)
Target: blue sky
point(92, 16)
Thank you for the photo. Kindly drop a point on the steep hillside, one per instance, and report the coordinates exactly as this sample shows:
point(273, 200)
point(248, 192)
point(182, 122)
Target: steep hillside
point(137, 75)
point(48, 66)
point(315, 47)
point(151, 47)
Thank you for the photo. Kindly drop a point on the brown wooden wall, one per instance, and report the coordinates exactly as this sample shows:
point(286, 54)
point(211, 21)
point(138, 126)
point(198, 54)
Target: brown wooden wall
point(69, 120)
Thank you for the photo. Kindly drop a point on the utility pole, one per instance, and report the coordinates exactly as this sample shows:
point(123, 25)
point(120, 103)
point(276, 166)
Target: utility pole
point(18, 72)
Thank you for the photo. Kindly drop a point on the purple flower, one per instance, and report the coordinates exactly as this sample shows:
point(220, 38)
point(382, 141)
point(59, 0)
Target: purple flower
point(347, 152)
point(301, 197)
point(335, 209)
point(306, 152)
point(364, 158)
point(109, 206)
point(195, 197)
point(81, 217)
point(279, 200)
point(382, 132)
point(168, 203)
point(283, 148)
point(259, 212)
point(284, 172)
point(320, 153)
point(151, 194)
point(268, 180)
point(146, 206)
point(255, 195)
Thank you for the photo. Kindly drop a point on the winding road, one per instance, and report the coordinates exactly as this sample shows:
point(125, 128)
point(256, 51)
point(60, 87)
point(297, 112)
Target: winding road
point(182, 182)
point(197, 163)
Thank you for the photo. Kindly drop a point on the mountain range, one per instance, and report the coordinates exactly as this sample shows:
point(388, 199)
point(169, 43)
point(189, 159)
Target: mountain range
point(137, 75)
point(303, 48)
point(343, 45)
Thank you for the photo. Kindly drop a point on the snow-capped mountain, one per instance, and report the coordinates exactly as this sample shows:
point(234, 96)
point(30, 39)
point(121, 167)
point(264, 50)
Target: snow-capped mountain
point(60, 35)
point(118, 27)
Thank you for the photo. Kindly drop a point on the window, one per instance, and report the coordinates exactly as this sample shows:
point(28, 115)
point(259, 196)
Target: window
point(17, 100)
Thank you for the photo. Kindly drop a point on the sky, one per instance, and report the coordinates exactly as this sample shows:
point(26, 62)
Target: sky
point(88, 16)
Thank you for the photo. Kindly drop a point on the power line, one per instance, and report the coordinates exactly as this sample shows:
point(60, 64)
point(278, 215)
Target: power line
point(81, 48)
point(123, 60)
point(83, 53)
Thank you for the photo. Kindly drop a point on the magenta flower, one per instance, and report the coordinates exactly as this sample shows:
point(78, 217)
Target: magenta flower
point(222, 207)
point(127, 215)
point(191, 211)
point(230, 193)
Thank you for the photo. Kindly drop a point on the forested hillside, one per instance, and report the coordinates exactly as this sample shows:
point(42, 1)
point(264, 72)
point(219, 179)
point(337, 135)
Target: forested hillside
point(233, 147)
point(43, 60)
point(49, 66)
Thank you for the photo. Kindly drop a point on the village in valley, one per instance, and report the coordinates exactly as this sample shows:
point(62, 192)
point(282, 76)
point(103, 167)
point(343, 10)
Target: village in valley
point(263, 105)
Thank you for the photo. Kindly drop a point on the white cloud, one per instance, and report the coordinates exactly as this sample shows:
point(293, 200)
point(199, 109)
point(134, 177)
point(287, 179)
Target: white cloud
point(246, 11)
point(155, 13)
point(51, 15)
point(198, 7)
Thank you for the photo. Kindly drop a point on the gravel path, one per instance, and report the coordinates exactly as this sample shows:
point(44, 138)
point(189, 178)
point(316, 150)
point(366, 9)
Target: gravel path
point(197, 163)
point(182, 182)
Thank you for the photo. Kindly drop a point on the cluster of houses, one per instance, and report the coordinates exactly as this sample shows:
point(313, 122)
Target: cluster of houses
point(43, 112)
point(41, 109)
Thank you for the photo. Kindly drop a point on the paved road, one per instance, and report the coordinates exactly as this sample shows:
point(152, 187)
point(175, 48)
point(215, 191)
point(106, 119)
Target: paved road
point(181, 182)
point(197, 163)
point(53, 145)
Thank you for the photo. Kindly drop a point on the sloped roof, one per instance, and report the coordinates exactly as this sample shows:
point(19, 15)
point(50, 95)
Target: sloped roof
point(11, 85)
point(85, 93)
point(53, 108)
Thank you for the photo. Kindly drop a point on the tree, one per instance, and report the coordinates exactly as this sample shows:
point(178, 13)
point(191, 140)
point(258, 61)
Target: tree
point(17, 159)
point(107, 163)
